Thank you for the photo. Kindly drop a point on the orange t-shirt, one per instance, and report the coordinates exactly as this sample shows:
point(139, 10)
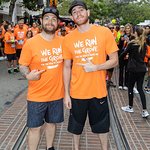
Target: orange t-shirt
point(147, 53)
point(95, 45)
point(40, 54)
point(35, 31)
point(9, 47)
point(20, 35)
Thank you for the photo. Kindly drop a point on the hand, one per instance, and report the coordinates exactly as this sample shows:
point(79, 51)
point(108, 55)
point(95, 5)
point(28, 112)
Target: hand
point(67, 102)
point(34, 75)
point(89, 66)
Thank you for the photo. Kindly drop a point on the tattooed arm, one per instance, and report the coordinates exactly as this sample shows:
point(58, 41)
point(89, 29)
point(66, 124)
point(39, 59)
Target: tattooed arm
point(33, 75)
point(24, 70)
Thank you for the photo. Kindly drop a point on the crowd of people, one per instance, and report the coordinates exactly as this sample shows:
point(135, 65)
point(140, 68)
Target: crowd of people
point(73, 64)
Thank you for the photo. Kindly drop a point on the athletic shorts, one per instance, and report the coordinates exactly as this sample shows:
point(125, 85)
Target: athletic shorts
point(18, 52)
point(110, 70)
point(98, 114)
point(2, 43)
point(11, 57)
point(40, 112)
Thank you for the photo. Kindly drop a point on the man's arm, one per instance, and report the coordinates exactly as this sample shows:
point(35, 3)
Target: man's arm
point(67, 77)
point(24, 70)
point(33, 75)
point(111, 63)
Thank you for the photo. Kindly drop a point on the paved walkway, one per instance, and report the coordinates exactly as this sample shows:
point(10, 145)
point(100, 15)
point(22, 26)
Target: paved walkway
point(136, 129)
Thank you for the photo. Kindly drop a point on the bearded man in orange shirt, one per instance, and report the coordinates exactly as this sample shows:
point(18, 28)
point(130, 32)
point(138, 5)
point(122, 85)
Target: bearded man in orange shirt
point(41, 62)
point(85, 50)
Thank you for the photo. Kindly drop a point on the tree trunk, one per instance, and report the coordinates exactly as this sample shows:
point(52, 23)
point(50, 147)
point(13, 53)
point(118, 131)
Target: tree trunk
point(11, 7)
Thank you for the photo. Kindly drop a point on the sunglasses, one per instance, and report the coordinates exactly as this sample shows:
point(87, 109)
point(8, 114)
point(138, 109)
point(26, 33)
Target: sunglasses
point(50, 10)
point(111, 27)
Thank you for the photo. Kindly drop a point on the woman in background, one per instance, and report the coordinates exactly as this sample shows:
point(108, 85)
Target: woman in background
point(136, 69)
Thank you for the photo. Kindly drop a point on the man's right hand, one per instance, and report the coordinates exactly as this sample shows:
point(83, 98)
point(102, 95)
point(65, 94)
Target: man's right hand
point(34, 75)
point(67, 102)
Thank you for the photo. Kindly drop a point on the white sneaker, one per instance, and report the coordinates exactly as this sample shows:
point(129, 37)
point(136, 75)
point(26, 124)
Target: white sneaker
point(127, 109)
point(125, 88)
point(145, 114)
point(120, 87)
point(135, 90)
point(147, 91)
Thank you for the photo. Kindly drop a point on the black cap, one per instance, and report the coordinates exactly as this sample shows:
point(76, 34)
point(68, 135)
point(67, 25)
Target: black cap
point(52, 10)
point(77, 3)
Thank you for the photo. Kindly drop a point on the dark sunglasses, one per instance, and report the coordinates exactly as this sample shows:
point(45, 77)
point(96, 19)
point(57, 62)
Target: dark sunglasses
point(111, 28)
point(50, 10)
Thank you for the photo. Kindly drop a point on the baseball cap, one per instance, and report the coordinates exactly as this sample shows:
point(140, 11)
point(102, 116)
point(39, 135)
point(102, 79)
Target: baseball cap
point(122, 26)
point(77, 3)
point(52, 10)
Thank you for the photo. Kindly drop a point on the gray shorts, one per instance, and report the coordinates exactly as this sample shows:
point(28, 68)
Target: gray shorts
point(40, 112)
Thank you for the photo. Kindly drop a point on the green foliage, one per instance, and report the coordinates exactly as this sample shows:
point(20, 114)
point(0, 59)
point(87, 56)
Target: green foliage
point(63, 7)
point(31, 5)
point(4, 1)
point(103, 9)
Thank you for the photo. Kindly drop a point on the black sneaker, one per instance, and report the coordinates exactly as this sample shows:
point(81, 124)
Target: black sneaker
point(9, 71)
point(16, 70)
point(51, 148)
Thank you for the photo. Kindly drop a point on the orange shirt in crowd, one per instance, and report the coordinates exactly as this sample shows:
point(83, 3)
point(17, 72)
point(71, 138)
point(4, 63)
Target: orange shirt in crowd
point(40, 54)
point(35, 30)
point(147, 54)
point(20, 35)
point(9, 47)
point(95, 45)
point(24, 26)
point(114, 33)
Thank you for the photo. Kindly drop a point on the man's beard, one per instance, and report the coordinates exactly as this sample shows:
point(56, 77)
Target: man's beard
point(49, 31)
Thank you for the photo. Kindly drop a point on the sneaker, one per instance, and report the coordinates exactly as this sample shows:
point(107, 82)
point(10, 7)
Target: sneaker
point(111, 84)
point(135, 90)
point(9, 71)
point(120, 87)
point(127, 109)
point(125, 88)
point(16, 70)
point(147, 91)
point(145, 114)
point(145, 88)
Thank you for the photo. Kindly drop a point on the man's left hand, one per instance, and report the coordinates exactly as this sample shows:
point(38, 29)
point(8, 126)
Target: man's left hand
point(88, 66)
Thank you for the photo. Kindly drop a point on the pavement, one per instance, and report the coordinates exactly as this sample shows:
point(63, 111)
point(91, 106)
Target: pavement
point(10, 85)
point(13, 121)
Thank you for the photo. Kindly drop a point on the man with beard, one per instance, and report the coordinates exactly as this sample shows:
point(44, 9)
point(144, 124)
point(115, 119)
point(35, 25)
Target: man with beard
point(85, 50)
point(41, 63)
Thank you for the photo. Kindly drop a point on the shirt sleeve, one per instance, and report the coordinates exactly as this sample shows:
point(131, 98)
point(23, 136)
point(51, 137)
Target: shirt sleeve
point(26, 54)
point(66, 50)
point(111, 45)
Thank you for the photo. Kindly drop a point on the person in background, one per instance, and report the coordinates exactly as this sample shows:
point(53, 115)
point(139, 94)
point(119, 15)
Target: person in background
point(20, 35)
point(137, 69)
point(147, 87)
point(29, 35)
point(63, 31)
point(2, 33)
point(123, 61)
point(110, 71)
point(85, 50)
point(34, 29)
point(9, 49)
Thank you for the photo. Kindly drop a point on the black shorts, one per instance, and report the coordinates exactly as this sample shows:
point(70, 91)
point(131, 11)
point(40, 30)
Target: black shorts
point(2, 43)
point(110, 70)
point(18, 52)
point(98, 113)
point(11, 57)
